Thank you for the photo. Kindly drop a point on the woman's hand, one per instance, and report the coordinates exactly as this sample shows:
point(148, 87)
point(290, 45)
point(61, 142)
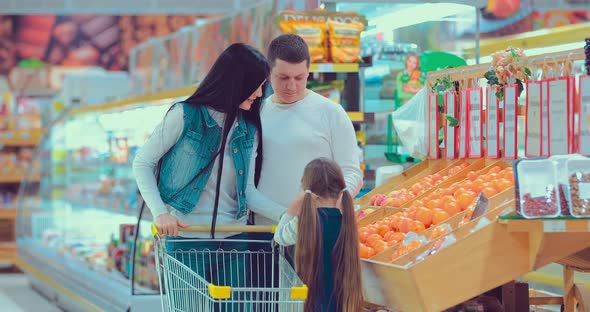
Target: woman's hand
point(295, 207)
point(168, 225)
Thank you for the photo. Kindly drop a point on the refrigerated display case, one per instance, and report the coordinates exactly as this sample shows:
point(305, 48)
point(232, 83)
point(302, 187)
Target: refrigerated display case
point(81, 237)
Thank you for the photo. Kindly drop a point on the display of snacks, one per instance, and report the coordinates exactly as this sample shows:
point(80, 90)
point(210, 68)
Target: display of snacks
point(331, 36)
point(537, 188)
point(345, 41)
point(579, 187)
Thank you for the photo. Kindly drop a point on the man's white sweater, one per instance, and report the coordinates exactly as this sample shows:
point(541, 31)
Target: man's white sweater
point(295, 134)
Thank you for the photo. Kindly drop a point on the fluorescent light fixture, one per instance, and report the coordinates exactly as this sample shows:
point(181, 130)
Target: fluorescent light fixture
point(418, 14)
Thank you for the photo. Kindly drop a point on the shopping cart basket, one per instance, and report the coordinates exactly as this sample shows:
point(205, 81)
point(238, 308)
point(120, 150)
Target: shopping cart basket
point(221, 280)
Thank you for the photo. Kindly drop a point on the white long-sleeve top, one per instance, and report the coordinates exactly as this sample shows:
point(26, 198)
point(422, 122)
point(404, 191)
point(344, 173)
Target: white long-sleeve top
point(295, 134)
point(162, 139)
point(286, 232)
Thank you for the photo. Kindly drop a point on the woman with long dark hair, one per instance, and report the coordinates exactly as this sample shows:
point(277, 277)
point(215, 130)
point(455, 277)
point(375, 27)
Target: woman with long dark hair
point(206, 150)
point(321, 223)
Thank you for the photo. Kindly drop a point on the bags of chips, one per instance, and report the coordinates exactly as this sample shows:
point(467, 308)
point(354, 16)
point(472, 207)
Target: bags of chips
point(345, 41)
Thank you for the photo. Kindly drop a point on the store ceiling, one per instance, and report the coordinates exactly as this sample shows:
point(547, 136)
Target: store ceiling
point(123, 7)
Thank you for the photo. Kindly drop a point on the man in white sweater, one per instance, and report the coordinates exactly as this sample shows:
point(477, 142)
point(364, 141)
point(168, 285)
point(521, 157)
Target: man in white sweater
point(298, 126)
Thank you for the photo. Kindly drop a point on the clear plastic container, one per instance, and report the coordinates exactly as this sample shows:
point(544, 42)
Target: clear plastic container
point(578, 171)
point(537, 189)
point(560, 162)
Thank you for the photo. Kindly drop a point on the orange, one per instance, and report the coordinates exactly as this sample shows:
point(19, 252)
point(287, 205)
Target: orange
point(373, 238)
point(366, 251)
point(452, 208)
point(411, 213)
point(382, 229)
point(416, 226)
point(424, 215)
point(363, 236)
point(380, 246)
point(389, 236)
point(494, 169)
point(489, 191)
point(405, 224)
point(439, 216)
point(465, 199)
point(472, 176)
point(435, 203)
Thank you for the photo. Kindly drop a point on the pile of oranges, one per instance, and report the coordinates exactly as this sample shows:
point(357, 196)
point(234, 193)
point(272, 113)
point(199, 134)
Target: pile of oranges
point(399, 197)
point(432, 209)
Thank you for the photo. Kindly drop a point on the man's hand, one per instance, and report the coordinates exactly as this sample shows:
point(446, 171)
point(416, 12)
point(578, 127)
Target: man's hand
point(168, 225)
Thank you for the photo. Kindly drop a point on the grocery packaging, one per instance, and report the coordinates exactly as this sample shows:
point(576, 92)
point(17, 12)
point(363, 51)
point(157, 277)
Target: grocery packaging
point(537, 188)
point(578, 171)
point(345, 41)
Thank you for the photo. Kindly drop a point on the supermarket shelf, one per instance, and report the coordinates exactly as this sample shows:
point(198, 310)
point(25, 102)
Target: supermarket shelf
point(75, 282)
point(7, 213)
point(355, 117)
point(333, 68)
point(15, 178)
point(134, 100)
point(8, 252)
point(534, 39)
point(548, 226)
point(19, 141)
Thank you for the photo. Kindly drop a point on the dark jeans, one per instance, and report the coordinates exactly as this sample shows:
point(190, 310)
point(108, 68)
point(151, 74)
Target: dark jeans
point(220, 269)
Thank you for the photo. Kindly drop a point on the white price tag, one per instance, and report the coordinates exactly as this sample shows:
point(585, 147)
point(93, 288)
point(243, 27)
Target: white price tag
point(533, 120)
point(492, 124)
point(325, 68)
point(545, 118)
point(558, 117)
point(450, 131)
point(554, 226)
point(510, 144)
point(475, 127)
point(463, 130)
point(584, 115)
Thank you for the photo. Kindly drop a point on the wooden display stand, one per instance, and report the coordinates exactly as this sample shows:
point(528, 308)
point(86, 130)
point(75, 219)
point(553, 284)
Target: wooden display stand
point(486, 252)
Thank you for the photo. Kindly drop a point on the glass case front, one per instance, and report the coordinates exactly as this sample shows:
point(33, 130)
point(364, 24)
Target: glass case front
point(83, 216)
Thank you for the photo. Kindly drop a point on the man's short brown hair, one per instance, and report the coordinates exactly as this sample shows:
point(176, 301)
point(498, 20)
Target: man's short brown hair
point(289, 48)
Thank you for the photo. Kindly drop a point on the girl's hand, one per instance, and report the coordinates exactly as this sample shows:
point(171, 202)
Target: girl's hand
point(168, 225)
point(295, 207)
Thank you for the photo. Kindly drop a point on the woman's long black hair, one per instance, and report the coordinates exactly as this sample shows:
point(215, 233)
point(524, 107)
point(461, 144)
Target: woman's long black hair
point(234, 77)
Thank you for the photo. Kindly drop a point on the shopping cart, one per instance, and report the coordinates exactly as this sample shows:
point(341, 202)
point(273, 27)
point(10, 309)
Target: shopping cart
point(221, 280)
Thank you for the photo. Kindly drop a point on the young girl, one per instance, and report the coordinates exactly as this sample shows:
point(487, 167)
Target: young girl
point(321, 222)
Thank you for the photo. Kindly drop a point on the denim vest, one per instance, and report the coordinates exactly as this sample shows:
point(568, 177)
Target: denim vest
point(198, 143)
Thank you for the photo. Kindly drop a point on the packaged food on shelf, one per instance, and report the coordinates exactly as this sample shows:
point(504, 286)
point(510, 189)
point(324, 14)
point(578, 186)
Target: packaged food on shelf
point(563, 180)
point(578, 171)
point(345, 41)
point(537, 188)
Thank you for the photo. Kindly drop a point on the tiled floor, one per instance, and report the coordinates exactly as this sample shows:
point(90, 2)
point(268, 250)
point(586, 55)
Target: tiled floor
point(17, 296)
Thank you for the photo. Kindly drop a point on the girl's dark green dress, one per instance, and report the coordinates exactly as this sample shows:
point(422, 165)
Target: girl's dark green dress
point(331, 221)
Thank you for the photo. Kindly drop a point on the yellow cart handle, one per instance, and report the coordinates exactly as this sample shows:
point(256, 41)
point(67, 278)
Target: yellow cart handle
point(224, 228)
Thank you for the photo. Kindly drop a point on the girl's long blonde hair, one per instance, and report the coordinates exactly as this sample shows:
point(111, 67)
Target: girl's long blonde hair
point(324, 178)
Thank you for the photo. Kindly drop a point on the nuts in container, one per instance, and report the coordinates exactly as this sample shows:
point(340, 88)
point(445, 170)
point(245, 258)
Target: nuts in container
point(537, 188)
point(579, 180)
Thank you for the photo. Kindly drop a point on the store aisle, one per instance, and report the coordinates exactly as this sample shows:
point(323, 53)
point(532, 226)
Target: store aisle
point(17, 296)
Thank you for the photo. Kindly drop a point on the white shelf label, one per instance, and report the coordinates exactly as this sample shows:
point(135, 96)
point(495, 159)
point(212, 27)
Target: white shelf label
point(325, 68)
point(554, 226)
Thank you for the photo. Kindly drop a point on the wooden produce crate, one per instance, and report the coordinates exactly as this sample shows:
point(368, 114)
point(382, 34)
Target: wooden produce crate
point(441, 168)
point(413, 173)
point(475, 263)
